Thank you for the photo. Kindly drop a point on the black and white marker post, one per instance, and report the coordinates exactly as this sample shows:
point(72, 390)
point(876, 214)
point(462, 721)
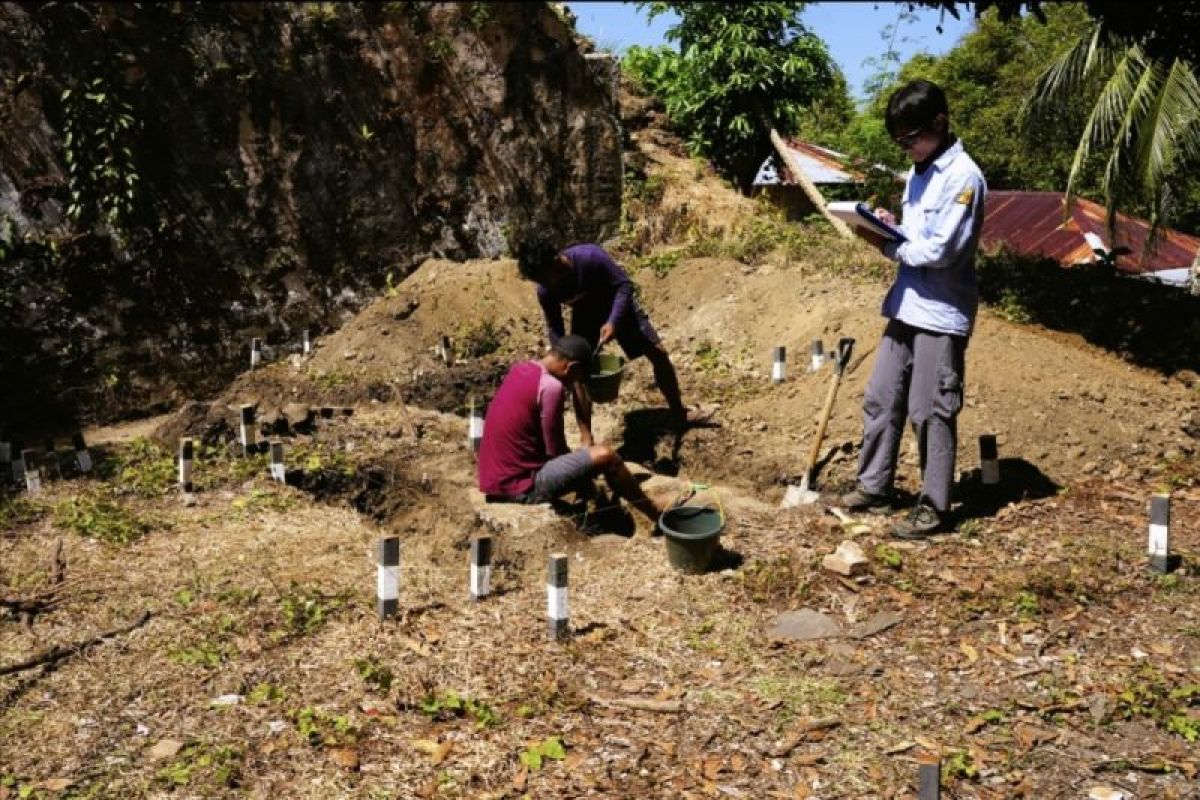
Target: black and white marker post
point(247, 430)
point(278, 473)
point(475, 428)
point(817, 350)
point(387, 581)
point(481, 567)
point(1162, 560)
point(18, 463)
point(5, 461)
point(306, 344)
point(82, 457)
point(33, 475)
point(186, 448)
point(556, 597)
point(778, 361)
point(929, 780)
point(255, 352)
point(989, 461)
point(443, 349)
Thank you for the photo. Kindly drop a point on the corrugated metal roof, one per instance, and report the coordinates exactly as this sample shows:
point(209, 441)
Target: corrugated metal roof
point(1031, 223)
point(820, 164)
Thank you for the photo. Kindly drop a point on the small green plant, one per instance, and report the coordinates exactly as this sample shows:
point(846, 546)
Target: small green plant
point(708, 356)
point(1026, 604)
point(205, 654)
point(478, 15)
point(659, 263)
point(1184, 725)
point(319, 728)
point(959, 765)
point(549, 748)
point(888, 556)
point(449, 705)
point(93, 515)
point(305, 608)
point(479, 338)
point(374, 674)
point(263, 500)
point(264, 693)
point(1011, 306)
point(201, 764)
point(328, 380)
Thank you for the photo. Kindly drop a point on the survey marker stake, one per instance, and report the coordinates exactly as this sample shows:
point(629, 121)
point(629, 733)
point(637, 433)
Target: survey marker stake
point(989, 460)
point(817, 351)
point(277, 469)
point(5, 461)
point(556, 597)
point(306, 343)
point(1162, 560)
point(33, 475)
point(475, 428)
point(247, 430)
point(481, 567)
point(255, 352)
point(82, 457)
point(929, 780)
point(387, 580)
point(778, 361)
point(18, 463)
point(186, 452)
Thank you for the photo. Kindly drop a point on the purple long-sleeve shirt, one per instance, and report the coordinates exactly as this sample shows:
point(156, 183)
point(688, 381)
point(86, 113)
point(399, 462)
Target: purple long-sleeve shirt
point(600, 292)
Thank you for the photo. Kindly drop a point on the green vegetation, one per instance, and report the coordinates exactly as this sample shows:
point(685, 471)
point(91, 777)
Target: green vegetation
point(550, 748)
point(374, 674)
point(205, 654)
point(1148, 695)
point(19, 510)
point(658, 263)
point(306, 609)
point(141, 467)
point(201, 764)
point(96, 515)
point(319, 728)
point(448, 705)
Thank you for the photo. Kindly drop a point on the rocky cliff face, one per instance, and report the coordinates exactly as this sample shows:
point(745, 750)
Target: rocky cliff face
point(178, 178)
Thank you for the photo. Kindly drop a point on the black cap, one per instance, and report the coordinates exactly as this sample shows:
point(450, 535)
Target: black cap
point(574, 348)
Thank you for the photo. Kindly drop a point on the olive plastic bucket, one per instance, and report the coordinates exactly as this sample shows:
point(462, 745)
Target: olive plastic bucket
point(692, 534)
point(605, 380)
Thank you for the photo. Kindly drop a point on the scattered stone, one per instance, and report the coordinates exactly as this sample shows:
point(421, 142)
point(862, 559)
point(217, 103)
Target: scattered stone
point(803, 625)
point(848, 560)
point(166, 748)
point(226, 700)
point(878, 623)
point(1105, 793)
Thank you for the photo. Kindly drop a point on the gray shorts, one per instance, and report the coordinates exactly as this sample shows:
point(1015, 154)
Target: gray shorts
point(561, 475)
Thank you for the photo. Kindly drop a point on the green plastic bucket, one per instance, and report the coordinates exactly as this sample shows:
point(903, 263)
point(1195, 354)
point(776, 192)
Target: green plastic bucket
point(692, 534)
point(605, 380)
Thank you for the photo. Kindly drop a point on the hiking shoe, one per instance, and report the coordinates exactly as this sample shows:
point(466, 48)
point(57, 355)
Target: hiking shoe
point(922, 522)
point(862, 500)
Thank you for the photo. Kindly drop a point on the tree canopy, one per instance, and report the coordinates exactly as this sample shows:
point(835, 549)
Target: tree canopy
point(740, 70)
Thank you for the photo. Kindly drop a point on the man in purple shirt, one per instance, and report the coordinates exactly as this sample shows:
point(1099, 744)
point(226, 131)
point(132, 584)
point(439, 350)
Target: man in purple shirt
point(603, 308)
point(524, 456)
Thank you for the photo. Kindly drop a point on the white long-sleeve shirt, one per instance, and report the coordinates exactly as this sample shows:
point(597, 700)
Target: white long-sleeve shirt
point(935, 286)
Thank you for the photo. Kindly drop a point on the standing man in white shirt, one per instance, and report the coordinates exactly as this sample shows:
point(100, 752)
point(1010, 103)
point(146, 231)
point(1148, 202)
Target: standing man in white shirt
point(930, 308)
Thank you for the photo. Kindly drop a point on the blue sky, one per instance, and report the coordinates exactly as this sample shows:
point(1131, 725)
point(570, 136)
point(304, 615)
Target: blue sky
point(852, 31)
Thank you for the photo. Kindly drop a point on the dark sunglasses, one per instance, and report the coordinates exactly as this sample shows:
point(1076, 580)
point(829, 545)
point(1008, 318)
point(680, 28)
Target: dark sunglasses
point(907, 140)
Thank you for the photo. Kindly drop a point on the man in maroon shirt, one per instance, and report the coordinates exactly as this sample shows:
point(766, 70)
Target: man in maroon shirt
point(603, 308)
point(524, 456)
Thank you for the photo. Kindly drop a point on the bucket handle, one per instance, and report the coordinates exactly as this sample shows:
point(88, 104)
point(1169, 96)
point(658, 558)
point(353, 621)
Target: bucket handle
point(690, 492)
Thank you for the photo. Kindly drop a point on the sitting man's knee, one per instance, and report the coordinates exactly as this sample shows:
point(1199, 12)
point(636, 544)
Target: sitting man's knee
point(603, 456)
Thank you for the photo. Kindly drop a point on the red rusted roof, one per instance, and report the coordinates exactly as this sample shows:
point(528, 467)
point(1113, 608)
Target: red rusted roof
point(1031, 223)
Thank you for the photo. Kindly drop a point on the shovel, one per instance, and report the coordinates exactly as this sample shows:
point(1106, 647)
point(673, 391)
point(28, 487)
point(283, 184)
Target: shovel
point(804, 494)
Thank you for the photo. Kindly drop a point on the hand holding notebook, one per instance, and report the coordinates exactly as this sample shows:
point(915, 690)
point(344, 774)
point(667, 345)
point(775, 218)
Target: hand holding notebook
point(857, 215)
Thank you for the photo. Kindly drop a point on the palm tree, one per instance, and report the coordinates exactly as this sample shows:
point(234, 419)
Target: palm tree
point(1145, 125)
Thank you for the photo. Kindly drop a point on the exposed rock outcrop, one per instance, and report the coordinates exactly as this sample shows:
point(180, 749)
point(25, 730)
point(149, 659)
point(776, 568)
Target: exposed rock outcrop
point(177, 178)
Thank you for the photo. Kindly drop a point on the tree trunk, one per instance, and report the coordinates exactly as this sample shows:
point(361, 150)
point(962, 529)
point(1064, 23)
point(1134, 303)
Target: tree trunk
point(808, 187)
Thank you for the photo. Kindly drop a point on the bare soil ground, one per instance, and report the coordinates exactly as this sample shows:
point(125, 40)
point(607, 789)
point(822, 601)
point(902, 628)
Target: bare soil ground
point(1032, 649)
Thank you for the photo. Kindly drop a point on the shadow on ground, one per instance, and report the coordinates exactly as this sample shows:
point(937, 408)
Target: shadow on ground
point(1019, 481)
point(650, 441)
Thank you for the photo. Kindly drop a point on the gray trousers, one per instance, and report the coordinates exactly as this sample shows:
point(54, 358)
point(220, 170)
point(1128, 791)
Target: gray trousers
point(918, 374)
